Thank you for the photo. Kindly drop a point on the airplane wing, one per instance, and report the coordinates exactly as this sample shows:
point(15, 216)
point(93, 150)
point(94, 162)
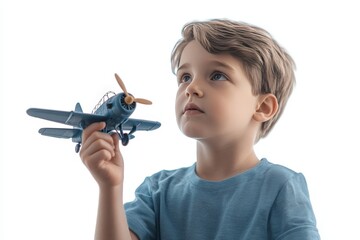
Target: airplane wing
point(74, 133)
point(140, 124)
point(75, 119)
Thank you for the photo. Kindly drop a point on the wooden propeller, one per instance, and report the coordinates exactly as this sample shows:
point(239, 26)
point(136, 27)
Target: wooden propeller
point(130, 99)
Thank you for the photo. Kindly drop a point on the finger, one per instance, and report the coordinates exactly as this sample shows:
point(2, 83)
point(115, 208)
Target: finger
point(116, 139)
point(98, 126)
point(96, 136)
point(95, 156)
point(118, 160)
point(99, 144)
point(97, 159)
point(94, 140)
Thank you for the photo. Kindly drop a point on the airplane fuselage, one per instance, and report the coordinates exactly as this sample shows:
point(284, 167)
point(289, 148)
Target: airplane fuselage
point(116, 111)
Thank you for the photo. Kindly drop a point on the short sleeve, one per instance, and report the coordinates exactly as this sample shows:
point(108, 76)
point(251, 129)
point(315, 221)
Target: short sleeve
point(292, 216)
point(140, 212)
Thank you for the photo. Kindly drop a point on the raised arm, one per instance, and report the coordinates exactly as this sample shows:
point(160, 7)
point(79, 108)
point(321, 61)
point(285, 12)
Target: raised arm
point(101, 155)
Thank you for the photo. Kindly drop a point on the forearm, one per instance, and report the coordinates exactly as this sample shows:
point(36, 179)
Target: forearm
point(111, 219)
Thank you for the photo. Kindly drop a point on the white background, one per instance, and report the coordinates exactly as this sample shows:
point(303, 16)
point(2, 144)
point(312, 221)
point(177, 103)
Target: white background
point(57, 53)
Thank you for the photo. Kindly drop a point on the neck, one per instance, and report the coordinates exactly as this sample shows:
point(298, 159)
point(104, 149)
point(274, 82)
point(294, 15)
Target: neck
point(220, 161)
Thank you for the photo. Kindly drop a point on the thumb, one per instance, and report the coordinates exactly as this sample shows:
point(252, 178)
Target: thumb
point(118, 160)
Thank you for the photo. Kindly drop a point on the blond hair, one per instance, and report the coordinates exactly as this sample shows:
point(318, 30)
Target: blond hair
point(268, 66)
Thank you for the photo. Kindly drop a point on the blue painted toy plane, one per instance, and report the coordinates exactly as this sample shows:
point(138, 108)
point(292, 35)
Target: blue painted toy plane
point(113, 110)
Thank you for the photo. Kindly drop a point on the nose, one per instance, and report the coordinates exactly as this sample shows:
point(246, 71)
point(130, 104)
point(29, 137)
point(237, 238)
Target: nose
point(194, 89)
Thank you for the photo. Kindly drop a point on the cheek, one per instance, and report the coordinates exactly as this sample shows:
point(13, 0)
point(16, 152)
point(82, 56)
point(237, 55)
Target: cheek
point(178, 105)
point(221, 108)
point(228, 113)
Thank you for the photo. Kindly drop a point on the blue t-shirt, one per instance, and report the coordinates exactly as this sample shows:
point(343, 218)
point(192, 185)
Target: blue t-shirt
point(266, 202)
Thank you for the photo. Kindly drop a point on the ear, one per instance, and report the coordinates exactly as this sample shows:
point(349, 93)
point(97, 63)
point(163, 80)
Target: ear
point(266, 108)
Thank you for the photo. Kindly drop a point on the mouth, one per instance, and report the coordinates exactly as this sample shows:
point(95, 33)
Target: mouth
point(192, 108)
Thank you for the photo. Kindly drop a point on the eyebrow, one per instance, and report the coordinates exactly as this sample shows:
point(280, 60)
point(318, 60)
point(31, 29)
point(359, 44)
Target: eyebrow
point(185, 65)
point(213, 62)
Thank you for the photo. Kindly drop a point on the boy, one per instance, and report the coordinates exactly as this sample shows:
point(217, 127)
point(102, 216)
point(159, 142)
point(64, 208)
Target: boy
point(233, 83)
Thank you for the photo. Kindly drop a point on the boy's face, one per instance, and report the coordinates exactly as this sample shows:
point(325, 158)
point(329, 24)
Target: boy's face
point(214, 99)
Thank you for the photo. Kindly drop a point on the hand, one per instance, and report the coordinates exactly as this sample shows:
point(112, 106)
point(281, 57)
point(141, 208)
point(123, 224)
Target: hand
point(101, 155)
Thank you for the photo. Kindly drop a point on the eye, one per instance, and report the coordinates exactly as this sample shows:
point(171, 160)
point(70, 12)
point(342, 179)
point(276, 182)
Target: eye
point(218, 76)
point(184, 78)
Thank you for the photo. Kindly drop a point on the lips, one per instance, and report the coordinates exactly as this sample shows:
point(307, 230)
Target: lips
point(192, 107)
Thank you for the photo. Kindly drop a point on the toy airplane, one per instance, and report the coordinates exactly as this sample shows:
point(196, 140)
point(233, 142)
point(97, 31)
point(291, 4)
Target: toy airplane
point(113, 110)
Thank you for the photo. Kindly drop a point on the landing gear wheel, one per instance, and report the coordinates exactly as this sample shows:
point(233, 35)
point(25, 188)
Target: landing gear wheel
point(77, 147)
point(125, 139)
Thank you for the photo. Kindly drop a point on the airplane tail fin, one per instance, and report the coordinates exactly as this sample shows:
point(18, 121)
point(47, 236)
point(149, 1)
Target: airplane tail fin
point(78, 108)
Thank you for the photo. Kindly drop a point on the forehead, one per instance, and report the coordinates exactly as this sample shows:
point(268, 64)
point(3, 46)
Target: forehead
point(195, 55)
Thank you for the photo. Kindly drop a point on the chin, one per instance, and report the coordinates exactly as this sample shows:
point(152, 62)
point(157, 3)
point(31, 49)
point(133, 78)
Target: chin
point(193, 129)
point(192, 133)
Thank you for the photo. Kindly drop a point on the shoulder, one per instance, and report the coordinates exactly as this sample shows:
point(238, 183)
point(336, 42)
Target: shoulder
point(277, 169)
point(291, 214)
point(277, 177)
point(279, 172)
